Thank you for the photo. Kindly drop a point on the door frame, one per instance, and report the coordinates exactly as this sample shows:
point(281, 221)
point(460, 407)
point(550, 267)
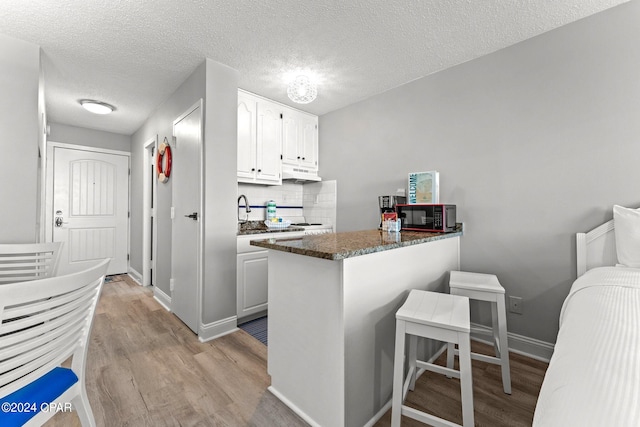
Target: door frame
point(149, 251)
point(48, 204)
point(174, 189)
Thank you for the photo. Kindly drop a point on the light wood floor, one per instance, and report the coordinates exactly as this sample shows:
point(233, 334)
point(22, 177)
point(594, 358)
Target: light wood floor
point(146, 368)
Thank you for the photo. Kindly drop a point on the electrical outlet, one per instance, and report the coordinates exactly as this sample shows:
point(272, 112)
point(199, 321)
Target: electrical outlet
point(515, 305)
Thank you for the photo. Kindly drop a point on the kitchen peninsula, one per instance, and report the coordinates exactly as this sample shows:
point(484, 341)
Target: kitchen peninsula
point(332, 304)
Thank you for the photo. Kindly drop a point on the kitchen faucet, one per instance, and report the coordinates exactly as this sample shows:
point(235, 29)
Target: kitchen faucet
point(246, 207)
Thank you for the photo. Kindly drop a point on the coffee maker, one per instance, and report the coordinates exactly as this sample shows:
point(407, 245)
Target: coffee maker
point(388, 204)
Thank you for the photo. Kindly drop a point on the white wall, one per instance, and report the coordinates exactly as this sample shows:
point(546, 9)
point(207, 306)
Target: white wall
point(89, 137)
point(160, 123)
point(533, 143)
point(220, 187)
point(19, 130)
point(217, 85)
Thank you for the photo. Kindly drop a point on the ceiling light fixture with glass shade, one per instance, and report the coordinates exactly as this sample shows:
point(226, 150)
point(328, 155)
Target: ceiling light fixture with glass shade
point(302, 90)
point(97, 107)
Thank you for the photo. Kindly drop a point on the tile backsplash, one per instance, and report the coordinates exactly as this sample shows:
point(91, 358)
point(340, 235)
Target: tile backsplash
point(319, 202)
point(315, 201)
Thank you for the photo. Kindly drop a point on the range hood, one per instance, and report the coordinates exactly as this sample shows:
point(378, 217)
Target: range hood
point(292, 173)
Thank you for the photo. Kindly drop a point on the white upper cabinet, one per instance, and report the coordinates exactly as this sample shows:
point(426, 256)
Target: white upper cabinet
point(259, 140)
point(247, 120)
point(272, 136)
point(269, 144)
point(300, 139)
point(290, 132)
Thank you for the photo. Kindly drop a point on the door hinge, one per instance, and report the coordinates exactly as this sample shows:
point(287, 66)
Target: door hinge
point(129, 214)
point(280, 115)
point(280, 156)
point(129, 171)
point(127, 257)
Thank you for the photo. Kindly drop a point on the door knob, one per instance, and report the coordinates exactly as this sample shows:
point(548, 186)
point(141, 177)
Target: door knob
point(193, 216)
point(58, 221)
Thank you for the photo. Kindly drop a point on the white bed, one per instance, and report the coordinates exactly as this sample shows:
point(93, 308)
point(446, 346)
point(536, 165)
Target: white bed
point(593, 377)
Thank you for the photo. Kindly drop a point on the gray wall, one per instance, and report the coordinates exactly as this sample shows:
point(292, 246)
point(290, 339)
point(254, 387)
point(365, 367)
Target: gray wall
point(220, 186)
point(533, 143)
point(160, 123)
point(89, 137)
point(19, 130)
point(217, 85)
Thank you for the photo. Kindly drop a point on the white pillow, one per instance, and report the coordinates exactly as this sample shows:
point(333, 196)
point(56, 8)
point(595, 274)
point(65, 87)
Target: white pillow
point(627, 231)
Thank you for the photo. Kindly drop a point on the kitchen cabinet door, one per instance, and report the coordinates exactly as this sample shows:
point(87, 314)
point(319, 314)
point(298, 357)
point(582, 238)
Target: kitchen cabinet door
point(247, 121)
point(259, 140)
point(251, 277)
point(269, 142)
point(300, 139)
point(290, 136)
point(309, 142)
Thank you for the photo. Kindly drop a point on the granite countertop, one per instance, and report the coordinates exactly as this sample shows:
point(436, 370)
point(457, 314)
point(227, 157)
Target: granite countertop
point(337, 246)
point(258, 227)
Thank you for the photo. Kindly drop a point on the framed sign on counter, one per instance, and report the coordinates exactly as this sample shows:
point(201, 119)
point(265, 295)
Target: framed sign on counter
point(424, 187)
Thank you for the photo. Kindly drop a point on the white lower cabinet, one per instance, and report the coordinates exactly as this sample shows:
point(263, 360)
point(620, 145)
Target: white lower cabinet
point(252, 274)
point(252, 283)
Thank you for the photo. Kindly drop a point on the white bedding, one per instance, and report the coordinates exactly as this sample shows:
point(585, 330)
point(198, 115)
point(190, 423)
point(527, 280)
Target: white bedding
point(594, 374)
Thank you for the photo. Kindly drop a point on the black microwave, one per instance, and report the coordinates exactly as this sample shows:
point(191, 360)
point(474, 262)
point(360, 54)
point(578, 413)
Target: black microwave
point(427, 217)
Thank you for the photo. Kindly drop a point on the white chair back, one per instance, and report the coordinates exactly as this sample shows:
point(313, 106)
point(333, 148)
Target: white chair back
point(43, 323)
point(28, 261)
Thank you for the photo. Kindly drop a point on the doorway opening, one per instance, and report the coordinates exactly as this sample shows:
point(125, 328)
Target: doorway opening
point(149, 229)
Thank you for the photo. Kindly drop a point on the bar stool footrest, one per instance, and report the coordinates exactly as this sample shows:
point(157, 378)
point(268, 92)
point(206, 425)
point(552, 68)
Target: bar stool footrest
point(438, 369)
point(425, 418)
point(482, 357)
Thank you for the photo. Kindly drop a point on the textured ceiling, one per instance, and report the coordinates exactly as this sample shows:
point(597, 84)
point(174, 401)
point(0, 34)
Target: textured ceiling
point(134, 54)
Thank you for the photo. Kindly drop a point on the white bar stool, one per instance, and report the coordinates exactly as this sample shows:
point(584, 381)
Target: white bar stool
point(441, 317)
point(485, 287)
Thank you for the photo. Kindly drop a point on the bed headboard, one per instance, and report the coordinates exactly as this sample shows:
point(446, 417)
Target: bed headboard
point(596, 248)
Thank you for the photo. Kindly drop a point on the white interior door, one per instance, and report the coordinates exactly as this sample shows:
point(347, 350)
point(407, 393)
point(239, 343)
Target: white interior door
point(90, 208)
point(187, 208)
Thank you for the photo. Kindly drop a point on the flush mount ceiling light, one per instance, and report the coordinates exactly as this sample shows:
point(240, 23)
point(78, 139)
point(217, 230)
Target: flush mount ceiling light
point(96, 107)
point(302, 90)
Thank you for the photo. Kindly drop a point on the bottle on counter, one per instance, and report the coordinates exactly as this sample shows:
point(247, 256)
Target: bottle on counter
point(271, 210)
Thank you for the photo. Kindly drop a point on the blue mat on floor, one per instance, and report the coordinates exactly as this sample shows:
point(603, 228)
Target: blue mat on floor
point(257, 328)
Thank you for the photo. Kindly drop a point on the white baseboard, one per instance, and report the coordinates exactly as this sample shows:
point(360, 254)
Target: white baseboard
point(162, 298)
point(137, 277)
point(217, 329)
point(519, 344)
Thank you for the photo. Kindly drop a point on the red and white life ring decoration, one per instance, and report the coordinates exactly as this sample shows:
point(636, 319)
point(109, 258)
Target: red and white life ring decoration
point(163, 161)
